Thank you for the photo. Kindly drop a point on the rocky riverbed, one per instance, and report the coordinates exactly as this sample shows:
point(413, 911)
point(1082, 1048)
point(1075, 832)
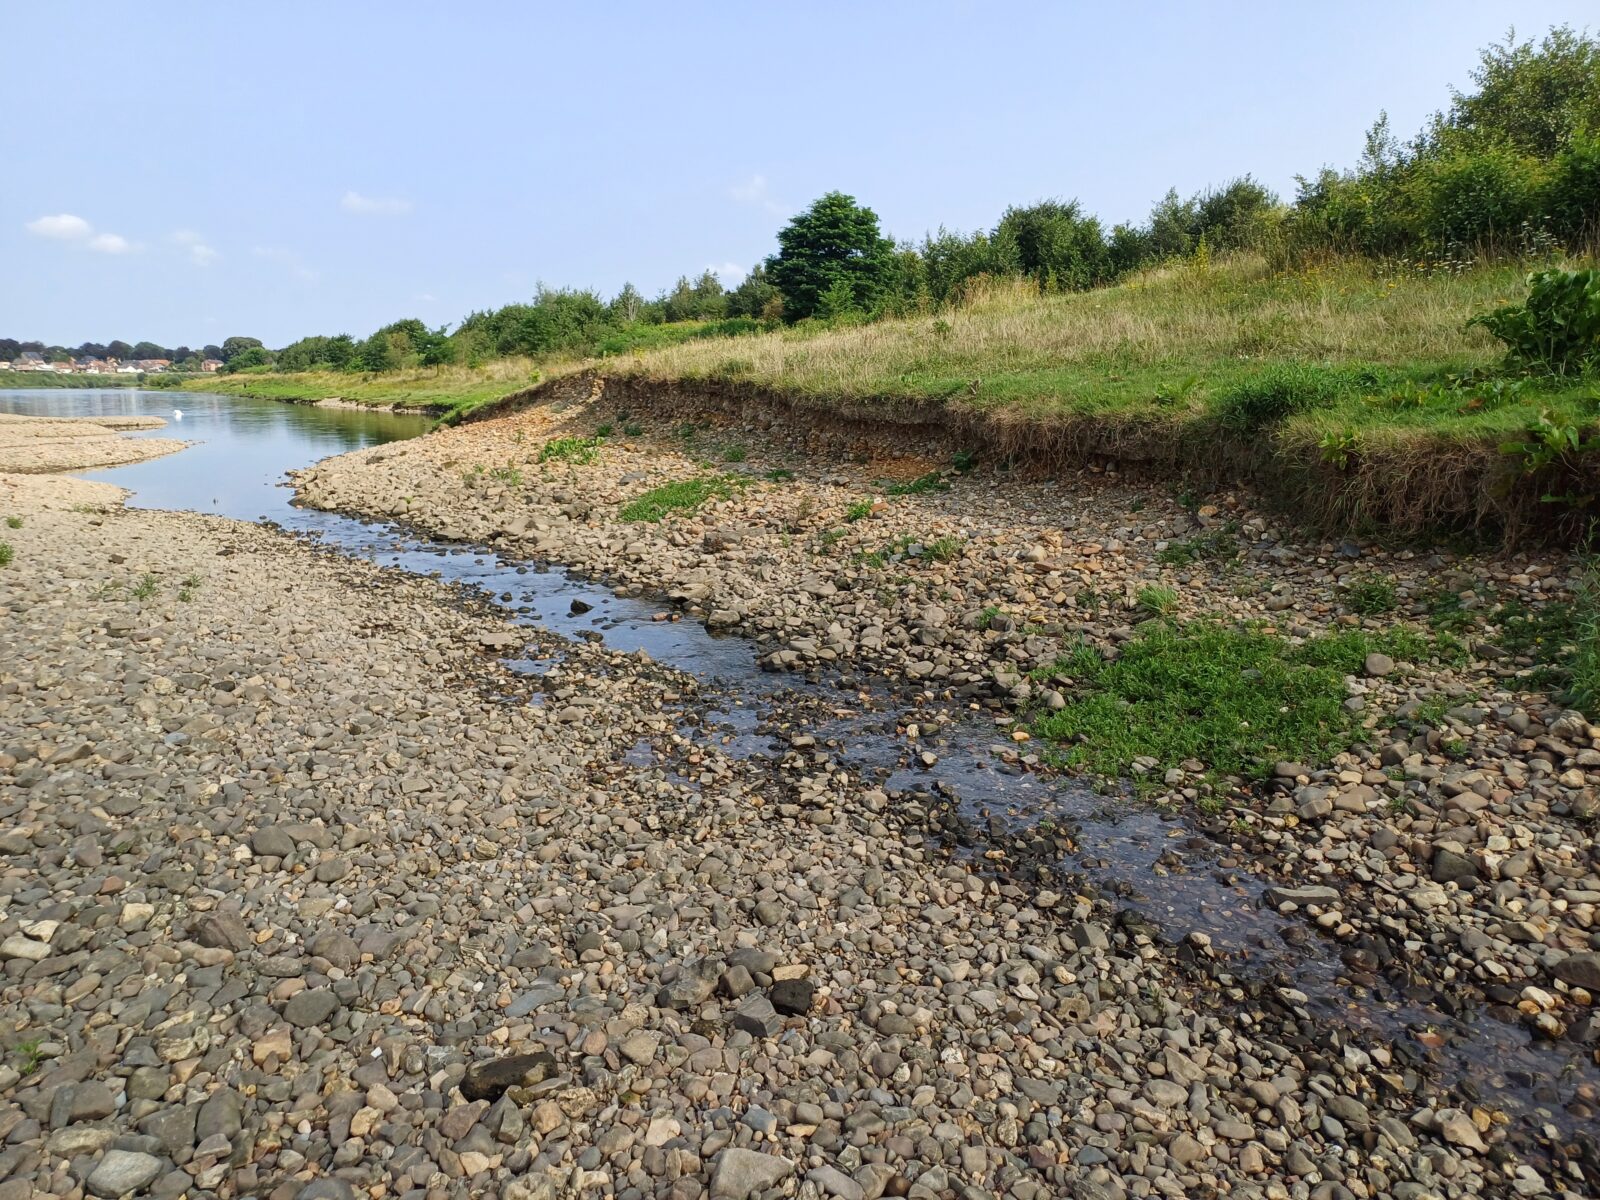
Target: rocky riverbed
point(1450, 849)
point(305, 893)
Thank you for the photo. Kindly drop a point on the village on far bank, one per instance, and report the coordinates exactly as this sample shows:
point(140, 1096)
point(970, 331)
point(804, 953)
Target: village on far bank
point(33, 361)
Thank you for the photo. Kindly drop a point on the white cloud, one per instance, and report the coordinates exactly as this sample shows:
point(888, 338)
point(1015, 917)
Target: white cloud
point(290, 260)
point(728, 273)
point(426, 298)
point(756, 191)
point(200, 254)
point(374, 206)
point(63, 226)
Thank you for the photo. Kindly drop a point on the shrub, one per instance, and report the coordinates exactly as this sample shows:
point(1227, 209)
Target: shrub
point(945, 549)
point(13, 522)
point(1557, 329)
point(858, 511)
point(6, 554)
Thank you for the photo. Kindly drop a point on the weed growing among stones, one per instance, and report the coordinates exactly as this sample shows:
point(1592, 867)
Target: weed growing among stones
point(575, 450)
point(1373, 595)
point(684, 495)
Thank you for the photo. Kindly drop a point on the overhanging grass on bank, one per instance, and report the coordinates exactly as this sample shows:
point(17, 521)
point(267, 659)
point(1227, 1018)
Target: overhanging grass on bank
point(1355, 392)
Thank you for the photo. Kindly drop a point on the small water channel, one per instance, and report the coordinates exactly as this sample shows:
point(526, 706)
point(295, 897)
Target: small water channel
point(1152, 863)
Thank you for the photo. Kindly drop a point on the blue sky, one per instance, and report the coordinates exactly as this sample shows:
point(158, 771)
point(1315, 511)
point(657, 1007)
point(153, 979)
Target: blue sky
point(190, 172)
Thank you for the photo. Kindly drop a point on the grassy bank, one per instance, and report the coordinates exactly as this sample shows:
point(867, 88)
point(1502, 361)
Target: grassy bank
point(1357, 392)
point(49, 380)
point(452, 391)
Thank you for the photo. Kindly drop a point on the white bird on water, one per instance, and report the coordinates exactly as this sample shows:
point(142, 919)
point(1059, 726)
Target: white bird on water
point(177, 414)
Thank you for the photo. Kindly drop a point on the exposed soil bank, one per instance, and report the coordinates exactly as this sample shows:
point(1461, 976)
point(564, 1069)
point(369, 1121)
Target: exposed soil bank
point(1408, 484)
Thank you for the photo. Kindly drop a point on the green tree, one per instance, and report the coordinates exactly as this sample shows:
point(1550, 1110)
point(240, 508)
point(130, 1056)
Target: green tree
point(834, 241)
point(1056, 244)
point(234, 346)
point(754, 293)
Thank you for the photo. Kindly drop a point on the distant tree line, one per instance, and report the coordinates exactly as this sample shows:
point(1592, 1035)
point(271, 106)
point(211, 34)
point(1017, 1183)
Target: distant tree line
point(1510, 168)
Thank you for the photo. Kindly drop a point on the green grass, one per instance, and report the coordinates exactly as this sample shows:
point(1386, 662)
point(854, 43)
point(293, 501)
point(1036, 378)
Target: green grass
point(1372, 595)
point(13, 522)
point(859, 511)
point(684, 495)
point(576, 450)
point(1217, 545)
point(931, 482)
point(452, 392)
point(45, 380)
point(944, 549)
point(1157, 600)
point(28, 1055)
point(7, 554)
point(733, 454)
point(1237, 700)
point(146, 588)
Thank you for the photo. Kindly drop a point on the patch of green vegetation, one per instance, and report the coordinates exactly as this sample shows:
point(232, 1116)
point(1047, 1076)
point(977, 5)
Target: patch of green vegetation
point(986, 618)
point(29, 1055)
point(1158, 600)
point(1346, 650)
point(1583, 688)
point(733, 454)
point(146, 588)
point(13, 522)
point(964, 460)
point(931, 482)
point(7, 554)
point(1372, 595)
point(632, 429)
point(1214, 545)
point(510, 476)
point(944, 549)
point(186, 589)
point(684, 495)
point(875, 559)
point(859, 511)
point(780, 475)
point(603, 431)
point(1237, 700)
point(579, 451)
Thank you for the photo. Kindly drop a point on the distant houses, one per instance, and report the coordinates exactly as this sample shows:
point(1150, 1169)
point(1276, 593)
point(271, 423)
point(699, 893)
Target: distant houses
point(32, 360)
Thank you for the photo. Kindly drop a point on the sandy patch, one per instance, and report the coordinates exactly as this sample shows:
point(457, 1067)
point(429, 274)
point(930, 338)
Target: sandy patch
point(30, 445)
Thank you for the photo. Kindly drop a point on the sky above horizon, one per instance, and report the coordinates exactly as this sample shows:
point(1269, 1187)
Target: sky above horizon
point(187, 174)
